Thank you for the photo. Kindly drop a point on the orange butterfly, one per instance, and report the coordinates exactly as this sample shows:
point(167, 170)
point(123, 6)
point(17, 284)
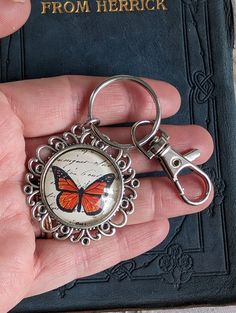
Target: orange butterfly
point(71, 197)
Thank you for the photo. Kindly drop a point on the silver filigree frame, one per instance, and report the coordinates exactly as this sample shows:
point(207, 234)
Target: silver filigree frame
point(81, 135)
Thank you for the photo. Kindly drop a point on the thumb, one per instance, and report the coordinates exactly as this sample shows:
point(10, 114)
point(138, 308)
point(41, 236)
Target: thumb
point(13, 15)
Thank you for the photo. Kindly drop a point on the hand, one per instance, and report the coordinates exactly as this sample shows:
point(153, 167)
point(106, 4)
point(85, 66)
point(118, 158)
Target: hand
point(33, 110)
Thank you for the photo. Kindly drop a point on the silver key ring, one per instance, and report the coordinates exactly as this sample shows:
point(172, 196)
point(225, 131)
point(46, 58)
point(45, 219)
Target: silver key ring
point(148, 88)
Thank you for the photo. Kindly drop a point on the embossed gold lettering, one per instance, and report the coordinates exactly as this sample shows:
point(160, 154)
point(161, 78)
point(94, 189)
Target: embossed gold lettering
point(148, 7)
point(161, 5)
point(101, 6)
point(134, 5)
point(143, 6)
point(83, 7)
point(124, 6)
point(69, 7)
point(113, 6)
point(45, 7)
point(57, 8)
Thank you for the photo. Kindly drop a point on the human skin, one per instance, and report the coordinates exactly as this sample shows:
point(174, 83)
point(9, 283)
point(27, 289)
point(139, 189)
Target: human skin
point(34, 109)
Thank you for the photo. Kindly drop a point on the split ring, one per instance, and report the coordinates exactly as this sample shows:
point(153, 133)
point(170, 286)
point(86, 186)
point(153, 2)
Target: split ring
point(148, 88)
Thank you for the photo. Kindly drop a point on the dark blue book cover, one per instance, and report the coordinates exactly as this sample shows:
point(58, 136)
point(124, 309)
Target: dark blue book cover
point(189, 44)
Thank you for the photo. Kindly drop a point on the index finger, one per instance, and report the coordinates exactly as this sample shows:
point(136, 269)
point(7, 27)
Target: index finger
point(50, 105)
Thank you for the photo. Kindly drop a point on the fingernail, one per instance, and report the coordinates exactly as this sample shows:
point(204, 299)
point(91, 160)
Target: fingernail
point(19, 1)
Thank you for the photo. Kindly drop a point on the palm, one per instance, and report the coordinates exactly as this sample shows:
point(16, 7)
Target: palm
point(17, 238)
point(31, 110)
point(29, 267)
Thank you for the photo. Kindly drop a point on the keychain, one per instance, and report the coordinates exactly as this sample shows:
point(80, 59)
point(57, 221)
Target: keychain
point(81, 185)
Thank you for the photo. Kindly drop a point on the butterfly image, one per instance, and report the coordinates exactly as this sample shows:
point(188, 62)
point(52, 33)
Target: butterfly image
point(71, 197)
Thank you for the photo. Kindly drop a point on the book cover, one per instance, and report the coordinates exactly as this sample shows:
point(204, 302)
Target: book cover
point(187, 43)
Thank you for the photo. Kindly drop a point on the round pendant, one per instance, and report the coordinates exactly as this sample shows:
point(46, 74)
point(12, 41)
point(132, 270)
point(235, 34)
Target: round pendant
point(80, 187)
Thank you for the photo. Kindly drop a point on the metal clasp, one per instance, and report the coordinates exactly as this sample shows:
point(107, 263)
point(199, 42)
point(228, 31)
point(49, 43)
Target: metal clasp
point(173, 162)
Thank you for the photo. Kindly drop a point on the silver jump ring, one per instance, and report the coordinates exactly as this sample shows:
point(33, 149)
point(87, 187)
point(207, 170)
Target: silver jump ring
point(148, 88)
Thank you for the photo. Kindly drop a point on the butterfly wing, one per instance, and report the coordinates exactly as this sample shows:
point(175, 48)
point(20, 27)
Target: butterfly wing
point(67, 201)
point(92, 196)
point(63, 181)
point(69, 197)
point(91, 204)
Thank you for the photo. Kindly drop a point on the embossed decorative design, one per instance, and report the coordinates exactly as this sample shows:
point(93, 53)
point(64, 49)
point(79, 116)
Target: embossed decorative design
point(194, 4)
point(200, 80)
point(176, 266)
point(79, 134)
point(204, 87)
point(122, 270)
point(219, 190)
point(229, 22)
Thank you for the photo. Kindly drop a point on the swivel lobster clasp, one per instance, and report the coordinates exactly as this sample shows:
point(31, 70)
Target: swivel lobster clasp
point(173, 163)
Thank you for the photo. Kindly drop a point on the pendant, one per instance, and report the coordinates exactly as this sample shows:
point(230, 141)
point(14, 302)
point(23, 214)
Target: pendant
point(80, 187)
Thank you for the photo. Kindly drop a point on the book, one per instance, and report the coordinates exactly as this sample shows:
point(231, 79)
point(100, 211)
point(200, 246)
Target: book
point(187, 43)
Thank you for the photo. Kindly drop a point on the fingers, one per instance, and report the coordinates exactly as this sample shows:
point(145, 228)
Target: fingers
point(158, 197)
point(59, 263)
point(17, 244)
point(12, 144)
point(50, 105)
point(179, 138)
point(13, 15)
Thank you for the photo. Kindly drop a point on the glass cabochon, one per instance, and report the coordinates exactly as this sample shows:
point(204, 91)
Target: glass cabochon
point(82, 186)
